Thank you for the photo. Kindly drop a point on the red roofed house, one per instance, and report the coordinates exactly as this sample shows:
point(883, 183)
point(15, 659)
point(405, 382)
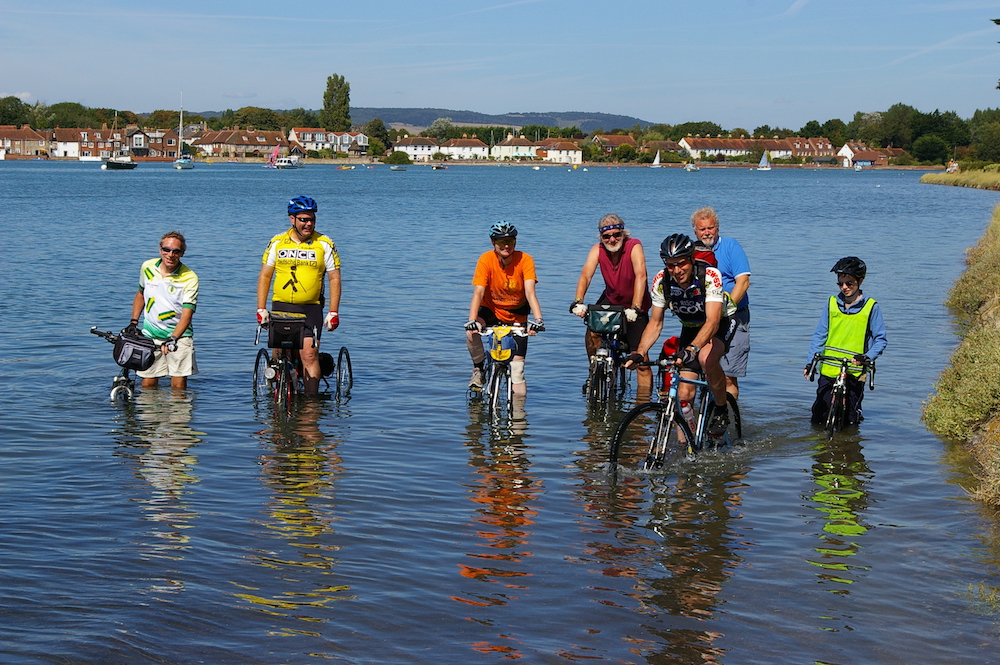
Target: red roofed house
point(22, 143)
point(608, 142)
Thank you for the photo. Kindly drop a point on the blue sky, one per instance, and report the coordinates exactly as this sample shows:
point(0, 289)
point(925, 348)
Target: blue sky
point(740, 63)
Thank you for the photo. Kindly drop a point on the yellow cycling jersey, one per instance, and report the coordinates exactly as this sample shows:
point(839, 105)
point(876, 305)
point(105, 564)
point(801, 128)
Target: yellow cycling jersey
point(299, 267)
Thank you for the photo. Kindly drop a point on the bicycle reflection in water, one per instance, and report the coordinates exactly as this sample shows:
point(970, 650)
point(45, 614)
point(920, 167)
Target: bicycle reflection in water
point(841, 475)
point(504, 493)
point(157, 442)
point(297, 577)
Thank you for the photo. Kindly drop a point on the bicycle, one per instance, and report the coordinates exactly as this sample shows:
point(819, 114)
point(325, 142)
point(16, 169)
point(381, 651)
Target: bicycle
point(836, 417)
point(657, 435)
point(123, 385)
point(279, 376)
point(497, 384)
point(607, 375)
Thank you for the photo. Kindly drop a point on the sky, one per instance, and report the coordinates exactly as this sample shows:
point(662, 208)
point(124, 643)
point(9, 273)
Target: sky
point(739, 63)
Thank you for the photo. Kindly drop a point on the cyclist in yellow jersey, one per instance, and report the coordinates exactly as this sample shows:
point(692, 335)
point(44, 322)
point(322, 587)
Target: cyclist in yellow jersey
point(297, 260)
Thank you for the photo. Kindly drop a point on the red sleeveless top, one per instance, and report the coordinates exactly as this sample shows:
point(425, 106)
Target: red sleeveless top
point(619, 279)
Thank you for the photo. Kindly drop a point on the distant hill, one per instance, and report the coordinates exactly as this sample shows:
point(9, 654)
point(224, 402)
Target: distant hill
point(587, 122)
point(422, 118)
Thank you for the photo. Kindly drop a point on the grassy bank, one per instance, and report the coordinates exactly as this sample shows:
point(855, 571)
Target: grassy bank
point(966, 404)
point(977, 179)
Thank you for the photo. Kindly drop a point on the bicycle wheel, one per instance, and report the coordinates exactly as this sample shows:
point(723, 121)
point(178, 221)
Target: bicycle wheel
point(498, 390)
point(838, 408)
point(734, 430)
point(345, 374)
point(597, 382)
point(261, 384)
point(651, 436)
point(121, 394)
point(284, 386)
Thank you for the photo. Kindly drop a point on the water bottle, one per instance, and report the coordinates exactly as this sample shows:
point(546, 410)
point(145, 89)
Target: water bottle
point(688, 412)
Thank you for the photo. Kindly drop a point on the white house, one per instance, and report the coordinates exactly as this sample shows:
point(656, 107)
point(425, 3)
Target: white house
point(465, 149)
point(513, 148)
point(417, 148)
point(561, 152)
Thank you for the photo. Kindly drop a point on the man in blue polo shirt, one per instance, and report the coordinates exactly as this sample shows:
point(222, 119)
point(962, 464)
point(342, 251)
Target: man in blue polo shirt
point(735, 269)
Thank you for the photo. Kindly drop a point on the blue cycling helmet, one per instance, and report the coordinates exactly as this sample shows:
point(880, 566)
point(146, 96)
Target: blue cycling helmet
point(302, 204)
point(503, 230)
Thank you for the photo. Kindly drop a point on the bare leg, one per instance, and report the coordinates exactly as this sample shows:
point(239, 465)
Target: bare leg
point(732, 386)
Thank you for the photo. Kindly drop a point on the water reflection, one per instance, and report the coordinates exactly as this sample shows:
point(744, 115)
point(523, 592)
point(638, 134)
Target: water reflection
point(505, 494)
point(156, 437)
point(299, 468)
point(841, 476)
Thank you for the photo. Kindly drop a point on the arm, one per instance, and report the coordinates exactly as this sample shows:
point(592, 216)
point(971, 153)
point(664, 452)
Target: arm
point(740, 288)
point(264, 285)
point(186, 315)
point(639, 268)
point(138, 303)
point(587, 274)
point(334, 277)
point(529, 294)
point(713, 314)
point(652, 331)
point(876, 327)
point(477, 299)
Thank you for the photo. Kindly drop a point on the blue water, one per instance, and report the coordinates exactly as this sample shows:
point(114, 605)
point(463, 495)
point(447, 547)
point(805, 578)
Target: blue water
point(397, 527)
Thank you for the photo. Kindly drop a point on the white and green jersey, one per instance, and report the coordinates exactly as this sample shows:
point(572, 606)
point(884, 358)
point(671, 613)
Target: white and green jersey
point(165, 297)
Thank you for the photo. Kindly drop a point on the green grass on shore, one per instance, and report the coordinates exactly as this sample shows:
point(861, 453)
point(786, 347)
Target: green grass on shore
point(966, 404)
point(976, 179)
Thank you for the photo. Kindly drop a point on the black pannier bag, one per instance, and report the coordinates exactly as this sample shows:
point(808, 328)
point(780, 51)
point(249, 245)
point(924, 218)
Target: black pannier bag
point(134, 351)
point(285, 333)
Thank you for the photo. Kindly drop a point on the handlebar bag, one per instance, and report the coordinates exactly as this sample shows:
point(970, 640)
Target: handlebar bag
point(285, 333)
point(605, 322)
point(134, 351)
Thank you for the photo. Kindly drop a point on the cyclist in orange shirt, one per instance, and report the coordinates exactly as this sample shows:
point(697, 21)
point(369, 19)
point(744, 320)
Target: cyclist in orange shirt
point(503, 291)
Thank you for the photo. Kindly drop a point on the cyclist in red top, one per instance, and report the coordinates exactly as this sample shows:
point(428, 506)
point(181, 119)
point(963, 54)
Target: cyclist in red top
point(623, 267)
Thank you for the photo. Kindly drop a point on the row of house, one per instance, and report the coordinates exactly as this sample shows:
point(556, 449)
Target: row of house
point(513, 148)
point(162, 144)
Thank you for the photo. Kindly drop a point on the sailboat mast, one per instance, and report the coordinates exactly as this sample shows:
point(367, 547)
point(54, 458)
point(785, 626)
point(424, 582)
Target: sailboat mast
point(180, 129)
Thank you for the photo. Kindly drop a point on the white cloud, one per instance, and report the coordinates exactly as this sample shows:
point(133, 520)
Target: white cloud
point(23, 96)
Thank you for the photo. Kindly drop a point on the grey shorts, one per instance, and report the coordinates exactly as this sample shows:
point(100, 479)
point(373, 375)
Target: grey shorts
point(178, 363)
point(734, 363)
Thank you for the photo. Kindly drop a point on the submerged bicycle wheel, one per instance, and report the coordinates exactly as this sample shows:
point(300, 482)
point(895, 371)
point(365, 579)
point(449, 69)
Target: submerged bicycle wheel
point(284, 387)
point(261, 384)
point(498, 390)
point(121, 394)
point(838, 409)
point(345, 375)
point(598, 382)
point(734, 430)
point(649, 438)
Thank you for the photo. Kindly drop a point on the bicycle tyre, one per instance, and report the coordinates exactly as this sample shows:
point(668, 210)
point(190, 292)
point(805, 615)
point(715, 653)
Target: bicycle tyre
point(261, 384)
point(121, 394)
point(284, 386)
point(734, 430)
point(597, 382)
point(649, 438)
point(498, 391)
point(345, 374)
point(835, 416)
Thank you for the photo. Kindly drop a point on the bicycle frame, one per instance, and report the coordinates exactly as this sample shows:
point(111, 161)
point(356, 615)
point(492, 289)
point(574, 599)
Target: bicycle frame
point(836, 415)
point(606, 374)
point(497, 382)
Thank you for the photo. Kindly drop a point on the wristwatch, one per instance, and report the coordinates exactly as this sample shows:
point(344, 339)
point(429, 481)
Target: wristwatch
point(697, 349)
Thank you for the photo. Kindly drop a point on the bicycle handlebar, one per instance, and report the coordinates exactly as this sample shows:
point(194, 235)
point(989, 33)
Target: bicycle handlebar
point(868, 366)
point(110, 336)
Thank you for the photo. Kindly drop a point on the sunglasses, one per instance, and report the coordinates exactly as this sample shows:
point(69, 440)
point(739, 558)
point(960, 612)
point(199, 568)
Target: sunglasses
point(171, 250)
point(847, 283)
point(611, 236)
point(504, 241)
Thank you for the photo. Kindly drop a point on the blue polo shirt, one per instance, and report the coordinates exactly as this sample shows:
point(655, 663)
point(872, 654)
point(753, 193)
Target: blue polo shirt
point(733, 262)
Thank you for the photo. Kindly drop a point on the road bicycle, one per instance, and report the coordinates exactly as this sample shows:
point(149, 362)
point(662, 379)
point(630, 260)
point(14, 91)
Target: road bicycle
point(607, 375)
point(657, 435)
point(278, 376)
point(123, 385)
point(497, 384)
point(836, 417)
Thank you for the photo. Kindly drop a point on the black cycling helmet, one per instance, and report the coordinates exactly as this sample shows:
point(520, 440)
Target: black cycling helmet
point(302, 204)
point(503, 230)
point(850, 265)
point(676, 246)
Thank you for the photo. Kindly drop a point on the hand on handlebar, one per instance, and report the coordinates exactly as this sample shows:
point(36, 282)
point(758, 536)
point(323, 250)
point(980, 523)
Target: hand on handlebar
point(535, 327)
point(860, 359)
point(578, 308)
point(633, 360)
point(473, 326)
point(631, 314)
point(132, 329)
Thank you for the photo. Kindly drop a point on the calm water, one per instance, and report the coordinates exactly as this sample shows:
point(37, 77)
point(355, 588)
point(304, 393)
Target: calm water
point(397, 528)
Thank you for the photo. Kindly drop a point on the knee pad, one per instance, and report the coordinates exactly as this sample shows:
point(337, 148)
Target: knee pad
point(517, 371)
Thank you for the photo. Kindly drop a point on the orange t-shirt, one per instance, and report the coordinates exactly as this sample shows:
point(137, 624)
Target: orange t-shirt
point(504, 286)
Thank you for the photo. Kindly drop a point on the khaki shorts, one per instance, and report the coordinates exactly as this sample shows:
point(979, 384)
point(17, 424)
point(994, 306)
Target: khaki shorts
point(178, 363)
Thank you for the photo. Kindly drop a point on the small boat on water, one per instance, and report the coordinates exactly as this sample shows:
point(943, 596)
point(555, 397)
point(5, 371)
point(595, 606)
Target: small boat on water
point(184, 161)
point(438, 167)
point(656, 161)
point(287, 163)
point(119, 163)
point(857, 167)
point(765, 162)
point(397, 167)
point(691, 167)
point(345, 168)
